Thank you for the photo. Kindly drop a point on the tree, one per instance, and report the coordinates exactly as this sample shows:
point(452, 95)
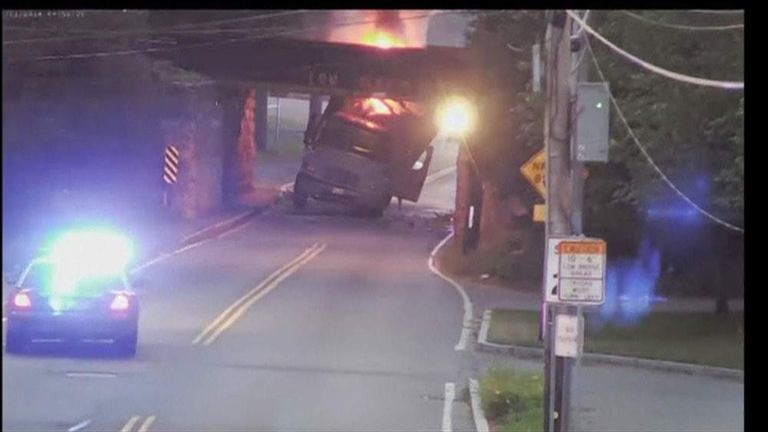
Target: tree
point(689, 130)
point(694, 135)
point(510, 127)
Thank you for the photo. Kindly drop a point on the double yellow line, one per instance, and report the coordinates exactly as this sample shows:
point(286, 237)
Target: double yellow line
point(241, 305)
point(128, 427)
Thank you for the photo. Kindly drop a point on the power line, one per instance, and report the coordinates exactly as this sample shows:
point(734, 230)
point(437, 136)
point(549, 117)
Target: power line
point(728, 85)
point(650, 159)
point(143, 33)
point(212, 43)
point(682, 26)
point(243, 19)
point(718, 11)
point(94, 33)
point(578, 33)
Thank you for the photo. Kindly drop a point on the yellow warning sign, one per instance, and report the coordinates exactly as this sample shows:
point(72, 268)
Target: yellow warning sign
point(535, 171)
point(539, 212)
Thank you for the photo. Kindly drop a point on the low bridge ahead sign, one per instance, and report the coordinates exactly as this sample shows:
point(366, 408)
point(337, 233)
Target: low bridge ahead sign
point(535, 171)
point(576, 269)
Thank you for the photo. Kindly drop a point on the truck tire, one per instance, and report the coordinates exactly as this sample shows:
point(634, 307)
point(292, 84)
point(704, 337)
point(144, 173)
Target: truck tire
point(300, 196)
point(387, 200)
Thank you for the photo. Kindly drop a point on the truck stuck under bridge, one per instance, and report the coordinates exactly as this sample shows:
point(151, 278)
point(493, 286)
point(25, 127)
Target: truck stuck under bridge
point(364, 151)
point(374, 141)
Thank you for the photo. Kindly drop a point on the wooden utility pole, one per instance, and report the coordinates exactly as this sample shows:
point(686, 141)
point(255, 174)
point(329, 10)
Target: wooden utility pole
point(557, 142)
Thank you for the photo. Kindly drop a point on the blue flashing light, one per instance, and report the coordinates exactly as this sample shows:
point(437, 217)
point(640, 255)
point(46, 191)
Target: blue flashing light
point(83, 254)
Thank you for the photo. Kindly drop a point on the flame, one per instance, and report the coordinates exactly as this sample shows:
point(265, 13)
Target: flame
point(383, 29)
point(376, 106)
point(382, 39)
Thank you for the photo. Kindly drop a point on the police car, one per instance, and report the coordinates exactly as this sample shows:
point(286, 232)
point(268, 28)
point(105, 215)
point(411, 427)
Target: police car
point(78, 292)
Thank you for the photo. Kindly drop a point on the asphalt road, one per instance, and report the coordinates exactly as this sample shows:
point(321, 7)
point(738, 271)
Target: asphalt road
point(355, 334)
point(318, 321)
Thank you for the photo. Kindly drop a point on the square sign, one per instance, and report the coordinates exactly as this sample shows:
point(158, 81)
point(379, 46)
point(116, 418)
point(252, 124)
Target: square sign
point(575, 271)
point(569, 335)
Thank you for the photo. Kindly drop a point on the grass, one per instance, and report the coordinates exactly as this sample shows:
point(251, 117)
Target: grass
point(513, 400)
point(695, 337)
point(502, 261)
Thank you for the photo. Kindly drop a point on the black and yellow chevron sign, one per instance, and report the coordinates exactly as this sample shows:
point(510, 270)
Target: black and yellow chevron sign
point(171, 165)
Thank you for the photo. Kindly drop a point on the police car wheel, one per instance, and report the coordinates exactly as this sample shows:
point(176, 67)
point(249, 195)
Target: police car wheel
point(16, 340)
point(126, 344)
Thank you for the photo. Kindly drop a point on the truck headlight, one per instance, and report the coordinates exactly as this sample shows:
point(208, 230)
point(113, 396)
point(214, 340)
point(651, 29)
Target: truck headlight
point(456, 117)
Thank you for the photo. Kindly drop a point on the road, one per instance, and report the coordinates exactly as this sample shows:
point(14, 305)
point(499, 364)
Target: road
point(318, 321)
point(357, 334)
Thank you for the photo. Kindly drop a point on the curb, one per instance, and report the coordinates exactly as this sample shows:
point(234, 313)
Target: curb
point(639, 363)
point(481, 423)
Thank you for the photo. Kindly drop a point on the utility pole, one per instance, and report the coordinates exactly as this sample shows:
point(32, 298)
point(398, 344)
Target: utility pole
point(576, 130)
point(557, 142)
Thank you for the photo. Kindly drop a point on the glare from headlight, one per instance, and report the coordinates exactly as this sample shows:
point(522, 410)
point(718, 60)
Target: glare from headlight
point(456, 117)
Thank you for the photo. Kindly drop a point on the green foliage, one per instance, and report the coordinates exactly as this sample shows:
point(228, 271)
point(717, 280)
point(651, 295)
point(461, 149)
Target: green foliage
point(511, 127)
point(689, 337)
point(513, 398)
point(688, 130)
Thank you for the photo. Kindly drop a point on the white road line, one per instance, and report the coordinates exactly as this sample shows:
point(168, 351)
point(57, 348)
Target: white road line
point(167, 255)
point(481, 424)
point(450, 394)
point(467, 321)
point(147, 423)
point(216, 225)
point(128, 426)
point(90, 375)
point(79, 426)
point(482, 337)
point(219, 319)
point(233, 230)
point(439, 174)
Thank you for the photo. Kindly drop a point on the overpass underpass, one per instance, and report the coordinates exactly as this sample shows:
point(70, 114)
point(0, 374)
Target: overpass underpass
point(232, 81)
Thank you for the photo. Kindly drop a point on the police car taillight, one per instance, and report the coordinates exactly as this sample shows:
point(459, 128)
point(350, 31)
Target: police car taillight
point(22, 300)
point(120, 303)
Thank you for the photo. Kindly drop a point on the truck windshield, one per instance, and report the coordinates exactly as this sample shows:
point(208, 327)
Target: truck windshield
point(343, 135)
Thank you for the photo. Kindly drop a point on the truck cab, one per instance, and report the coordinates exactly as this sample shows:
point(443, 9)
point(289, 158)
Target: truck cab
point(361, 152)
